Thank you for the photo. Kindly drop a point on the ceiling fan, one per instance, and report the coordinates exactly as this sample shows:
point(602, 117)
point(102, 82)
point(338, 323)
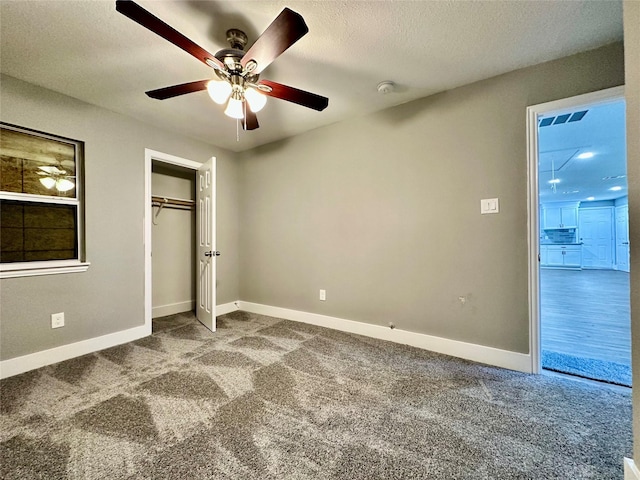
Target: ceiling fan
point(237, 72)
point(53, 176)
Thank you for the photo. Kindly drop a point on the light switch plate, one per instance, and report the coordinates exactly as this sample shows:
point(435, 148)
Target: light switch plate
point(489, 205)
point(57, 320)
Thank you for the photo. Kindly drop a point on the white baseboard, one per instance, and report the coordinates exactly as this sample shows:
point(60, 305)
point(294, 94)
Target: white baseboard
point(173, 308)
point(477, 353)
point(631, 471)
point(469, 351)
point(227, 308)
point(25, 363)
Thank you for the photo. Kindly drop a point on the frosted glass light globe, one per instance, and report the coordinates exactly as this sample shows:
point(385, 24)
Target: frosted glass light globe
point(219, 91)
point(256, 100)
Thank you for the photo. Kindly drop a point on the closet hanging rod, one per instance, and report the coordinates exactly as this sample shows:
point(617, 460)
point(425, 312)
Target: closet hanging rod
point(156, 199)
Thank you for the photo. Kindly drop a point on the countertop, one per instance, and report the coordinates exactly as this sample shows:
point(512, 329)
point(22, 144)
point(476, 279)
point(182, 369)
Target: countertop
point(560, 244)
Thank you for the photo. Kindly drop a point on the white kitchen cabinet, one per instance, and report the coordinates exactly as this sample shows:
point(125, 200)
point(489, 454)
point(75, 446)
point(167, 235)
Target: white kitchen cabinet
point(573, 256)
point(552, 217)
point(555, 257)
point(543, 255)
point(563, 215)
point(561, 256)
point(569, 216)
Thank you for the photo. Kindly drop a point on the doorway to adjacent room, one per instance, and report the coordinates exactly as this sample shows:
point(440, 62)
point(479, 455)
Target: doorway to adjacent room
point(579, 243)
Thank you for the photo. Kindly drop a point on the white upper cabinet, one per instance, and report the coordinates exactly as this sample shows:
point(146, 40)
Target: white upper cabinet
point(560, 215)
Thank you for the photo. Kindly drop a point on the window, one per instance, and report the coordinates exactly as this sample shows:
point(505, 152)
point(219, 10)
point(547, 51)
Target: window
point(40, 203)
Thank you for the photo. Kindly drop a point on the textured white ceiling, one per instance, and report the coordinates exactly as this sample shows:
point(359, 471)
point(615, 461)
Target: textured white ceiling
point(601, 132)
point(85, 49)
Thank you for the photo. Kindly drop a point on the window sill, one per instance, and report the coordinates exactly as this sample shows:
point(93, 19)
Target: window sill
point(33, 269)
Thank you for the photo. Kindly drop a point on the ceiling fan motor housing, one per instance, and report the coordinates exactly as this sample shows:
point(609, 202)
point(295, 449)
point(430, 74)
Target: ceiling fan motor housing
point(230, 57)
point(237, 38)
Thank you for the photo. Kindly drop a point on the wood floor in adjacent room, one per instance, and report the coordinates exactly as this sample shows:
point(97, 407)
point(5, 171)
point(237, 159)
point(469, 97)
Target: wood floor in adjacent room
point(586, 313)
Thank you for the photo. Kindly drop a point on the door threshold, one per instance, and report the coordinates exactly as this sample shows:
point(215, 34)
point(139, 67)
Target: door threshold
point(590, 381)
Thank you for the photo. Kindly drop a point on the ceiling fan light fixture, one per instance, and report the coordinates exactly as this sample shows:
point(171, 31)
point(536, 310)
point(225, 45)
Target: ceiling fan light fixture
point(255, 99)
point(219, 91)
point(234, 107)
point(48, 182)
point(64, 185)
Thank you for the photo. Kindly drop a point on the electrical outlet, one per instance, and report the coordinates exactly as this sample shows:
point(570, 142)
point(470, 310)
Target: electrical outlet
point(323, 295)
point(57, 320)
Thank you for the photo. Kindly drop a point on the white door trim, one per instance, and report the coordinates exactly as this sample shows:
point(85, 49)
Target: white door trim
point(149, 157)
point(533, 223)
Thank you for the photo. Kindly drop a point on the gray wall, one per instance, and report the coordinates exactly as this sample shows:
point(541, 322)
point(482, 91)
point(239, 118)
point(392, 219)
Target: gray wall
point(173, 238)
point(632, 94)
point(383, 211)
point(109, 296)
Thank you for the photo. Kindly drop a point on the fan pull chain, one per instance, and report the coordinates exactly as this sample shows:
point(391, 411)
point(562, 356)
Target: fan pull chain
point(237, 130)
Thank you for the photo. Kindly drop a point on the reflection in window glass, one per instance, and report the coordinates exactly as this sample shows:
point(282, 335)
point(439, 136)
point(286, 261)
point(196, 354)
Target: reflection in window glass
point(36, 165)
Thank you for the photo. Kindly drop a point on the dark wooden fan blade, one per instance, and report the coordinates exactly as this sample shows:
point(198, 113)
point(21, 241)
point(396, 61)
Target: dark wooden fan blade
point(139, 15)
point(177, 90)
point(250, 121)
point(284, 31)
point(290, 94)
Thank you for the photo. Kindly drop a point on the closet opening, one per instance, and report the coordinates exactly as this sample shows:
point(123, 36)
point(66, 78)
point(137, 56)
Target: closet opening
point(179, 238)
point(173, 238)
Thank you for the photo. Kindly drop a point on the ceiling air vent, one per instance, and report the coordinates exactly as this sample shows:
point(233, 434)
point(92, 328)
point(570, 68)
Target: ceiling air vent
point(564, 118)
point(576, 117)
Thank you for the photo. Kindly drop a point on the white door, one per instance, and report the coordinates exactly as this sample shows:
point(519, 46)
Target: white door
point(596, 235)
point(622, 238)
point(206, 244)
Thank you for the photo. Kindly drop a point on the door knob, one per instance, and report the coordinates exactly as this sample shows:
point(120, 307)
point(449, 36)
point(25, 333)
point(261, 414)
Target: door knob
point(212, 254)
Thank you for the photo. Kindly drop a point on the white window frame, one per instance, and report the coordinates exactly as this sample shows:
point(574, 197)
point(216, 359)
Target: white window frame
point(51, 267)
